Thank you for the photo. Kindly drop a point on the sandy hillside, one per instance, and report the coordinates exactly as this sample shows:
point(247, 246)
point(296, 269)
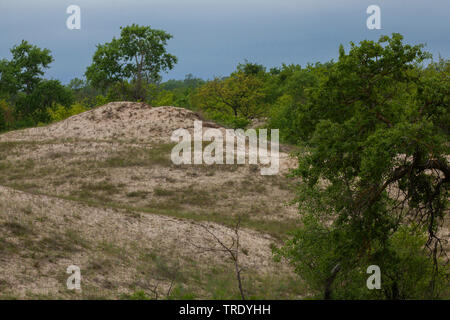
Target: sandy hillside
point(99, 190)
point(117, 120)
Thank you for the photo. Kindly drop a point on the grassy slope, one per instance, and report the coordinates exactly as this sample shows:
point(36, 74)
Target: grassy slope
point(133, 181)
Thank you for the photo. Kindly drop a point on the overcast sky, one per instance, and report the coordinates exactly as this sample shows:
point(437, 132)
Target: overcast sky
point(212, 36)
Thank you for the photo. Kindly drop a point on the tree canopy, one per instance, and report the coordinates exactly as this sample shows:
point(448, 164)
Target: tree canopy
point(240, 96)
point(22, 82)
point(374, 165)
point(138, 55)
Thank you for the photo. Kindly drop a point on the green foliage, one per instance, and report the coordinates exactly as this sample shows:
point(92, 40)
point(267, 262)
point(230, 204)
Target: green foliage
point(240, 123)
point(9, 84)
point(47, 93)
point(406, 270)
point(27, 66)
point(189, 82)
point(179, 292)
point(164, 98)
point(249, 68)
point(120, 91)
point(139, 54)
point(6, 116)
point(22, 85)
point(289, 93)
point(83, 92)
point(232, 100)
point(312, 252)
point(375, 163)
point(60, 112)
point(101, 100)
point(283, 115)
point(174, 92)
point(106, 68)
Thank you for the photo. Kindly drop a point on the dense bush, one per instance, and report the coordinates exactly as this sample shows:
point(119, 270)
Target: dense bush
point(407, 272)
point(60, 112)
point(375, 171)
point(6, 116)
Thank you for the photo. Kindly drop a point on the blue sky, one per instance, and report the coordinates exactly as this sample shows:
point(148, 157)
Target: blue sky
point(212, 36)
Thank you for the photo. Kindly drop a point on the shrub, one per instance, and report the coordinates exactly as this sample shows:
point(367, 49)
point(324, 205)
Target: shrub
point(163, 98)
point(406, 270)
point(6, 116)
point(138, 295)
point(59, 112)
point(101, 100)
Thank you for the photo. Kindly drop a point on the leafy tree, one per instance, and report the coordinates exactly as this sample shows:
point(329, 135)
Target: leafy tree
point(192, 82)
point(374, 162)
point(22, 85)
point(8, 83)
point(189, 82)
point(240, 96)
point(287, 91)
point(83, 92)
point(76, 84)
point(164, 98)
point(59, 112)
point(175, 92)
point(138, 55)
point(250, 68)
point(6, 116)
point(27, 65)
point(44, 96)
point(107, 66)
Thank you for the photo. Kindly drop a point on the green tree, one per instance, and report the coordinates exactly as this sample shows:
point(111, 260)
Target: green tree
point(239, 96)
point(22, 85)
point(287, 92)
point(138, 55)
point(27, 65)
point(107, 66)
point(374, 162)
point(8, 83)
point(45, 95)
point(6, 116)
point(250, 68)
point(77, 84)
point(59, 112)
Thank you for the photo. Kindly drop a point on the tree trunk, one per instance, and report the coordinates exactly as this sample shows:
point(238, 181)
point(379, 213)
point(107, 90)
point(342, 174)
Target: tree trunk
point(330, 280)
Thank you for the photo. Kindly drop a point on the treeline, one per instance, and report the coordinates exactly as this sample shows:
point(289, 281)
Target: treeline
point(128, 69)
point(24, 95)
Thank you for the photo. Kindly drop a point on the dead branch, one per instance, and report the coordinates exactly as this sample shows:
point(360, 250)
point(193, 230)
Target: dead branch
point(232, 250)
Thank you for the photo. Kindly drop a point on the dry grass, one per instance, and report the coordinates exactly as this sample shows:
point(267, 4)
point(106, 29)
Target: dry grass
point(99, 191)
point(119, 252)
